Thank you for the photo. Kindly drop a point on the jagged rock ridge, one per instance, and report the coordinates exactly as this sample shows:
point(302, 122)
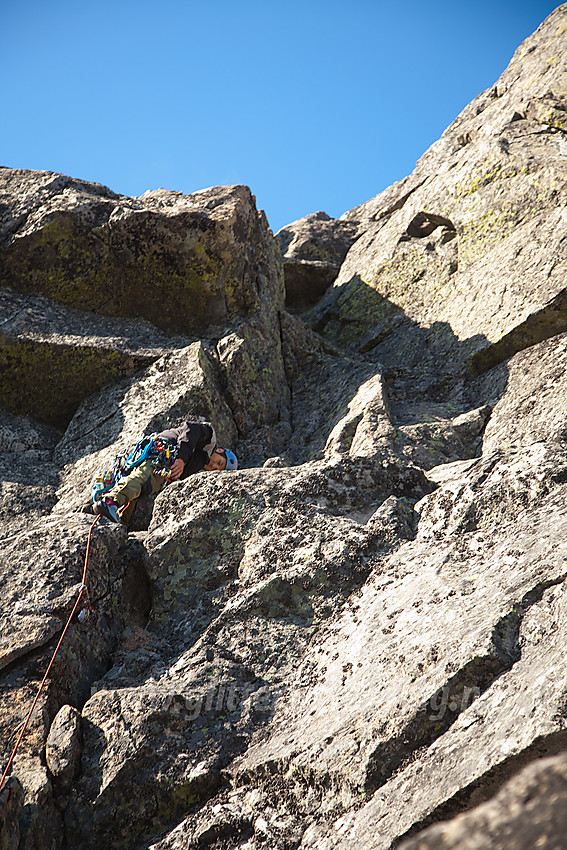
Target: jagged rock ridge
point(359, 634)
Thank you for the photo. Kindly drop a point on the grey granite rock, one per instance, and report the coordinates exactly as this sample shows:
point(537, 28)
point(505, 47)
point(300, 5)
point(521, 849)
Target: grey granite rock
point(184, 262)
point(245, 570)
point(42, 568)
point(450, 263)
point(359, 635)
point(52, 357)
point(313, 250)
point(528, 812)
point(64, 745)
point(11, 799)
point(203, 265)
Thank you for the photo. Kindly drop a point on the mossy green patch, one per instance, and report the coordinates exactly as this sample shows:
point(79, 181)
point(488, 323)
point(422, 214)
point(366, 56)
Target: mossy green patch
point(48, 382)
point(360, 309)
point(204, 556)
point(557, 118)
point(480, 235)
point(489, 174)
point(374, 303)
point(280, 599)
point(178, 291)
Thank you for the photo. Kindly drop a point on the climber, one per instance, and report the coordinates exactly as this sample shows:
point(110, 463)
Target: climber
point(171, 455)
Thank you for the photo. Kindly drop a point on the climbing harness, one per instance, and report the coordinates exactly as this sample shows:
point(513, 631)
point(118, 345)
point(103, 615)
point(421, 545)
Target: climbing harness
point(82, 616)
point(160, 451)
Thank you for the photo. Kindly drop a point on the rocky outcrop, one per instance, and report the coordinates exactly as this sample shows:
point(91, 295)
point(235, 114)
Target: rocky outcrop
point(187, 263)
point(41, 571)
point(52, 357)
point(29, 477)
point(313, 249)
point(203, 263)
point(357, 639)
point(64, 746)
point(528, 812)
point(465, 258)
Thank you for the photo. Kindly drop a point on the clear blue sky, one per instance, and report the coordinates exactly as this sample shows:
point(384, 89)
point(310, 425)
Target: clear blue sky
point(314, 104)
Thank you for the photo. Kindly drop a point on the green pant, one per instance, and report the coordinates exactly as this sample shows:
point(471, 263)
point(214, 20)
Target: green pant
point(128, 489)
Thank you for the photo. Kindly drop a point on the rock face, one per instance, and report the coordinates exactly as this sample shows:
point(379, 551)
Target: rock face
point(184, 262)
point(465, 258)
point(357, 639)
point(203, 264)
point(52, 357)
point(528, 812)
point(313, 250)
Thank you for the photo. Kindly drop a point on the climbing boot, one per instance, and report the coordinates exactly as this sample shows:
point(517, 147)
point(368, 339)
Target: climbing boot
point(107, 508)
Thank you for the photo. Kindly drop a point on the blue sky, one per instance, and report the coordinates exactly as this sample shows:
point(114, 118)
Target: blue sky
point(315, 105)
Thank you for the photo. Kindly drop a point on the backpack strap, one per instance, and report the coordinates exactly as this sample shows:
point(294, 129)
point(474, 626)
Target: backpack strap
point(211, 446)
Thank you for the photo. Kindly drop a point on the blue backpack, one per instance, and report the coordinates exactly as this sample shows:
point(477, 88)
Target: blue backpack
point(160, 451)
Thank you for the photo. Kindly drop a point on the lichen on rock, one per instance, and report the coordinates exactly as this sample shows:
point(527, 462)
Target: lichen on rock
point(359, 634)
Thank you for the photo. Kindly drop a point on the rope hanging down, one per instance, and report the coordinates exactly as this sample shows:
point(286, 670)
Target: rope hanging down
point(82, 591)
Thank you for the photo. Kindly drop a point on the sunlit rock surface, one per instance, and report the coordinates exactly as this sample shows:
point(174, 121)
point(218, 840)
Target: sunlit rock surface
point(357, 639)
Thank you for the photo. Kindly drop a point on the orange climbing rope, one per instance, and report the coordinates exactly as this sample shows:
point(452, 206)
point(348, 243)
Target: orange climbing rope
point(82, 591)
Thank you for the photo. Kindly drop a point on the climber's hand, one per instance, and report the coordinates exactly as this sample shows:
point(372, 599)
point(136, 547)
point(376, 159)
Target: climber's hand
point(177, 469)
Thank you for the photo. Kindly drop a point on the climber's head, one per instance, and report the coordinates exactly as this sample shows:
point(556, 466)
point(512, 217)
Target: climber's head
point(221, 459)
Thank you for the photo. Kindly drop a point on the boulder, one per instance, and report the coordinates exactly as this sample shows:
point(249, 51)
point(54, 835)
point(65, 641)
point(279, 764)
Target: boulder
point(202, 265)
point(64, 746)
point(313, 250)
point(329, 392)
point(186, 263)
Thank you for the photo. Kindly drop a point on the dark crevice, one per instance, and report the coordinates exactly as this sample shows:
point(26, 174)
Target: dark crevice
point(384, 333)
point(438, 713)
point(490, 783)
point(424, 223)
point(287, 373)
point(548, 322)
point(53, 379)
point(100, 422)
